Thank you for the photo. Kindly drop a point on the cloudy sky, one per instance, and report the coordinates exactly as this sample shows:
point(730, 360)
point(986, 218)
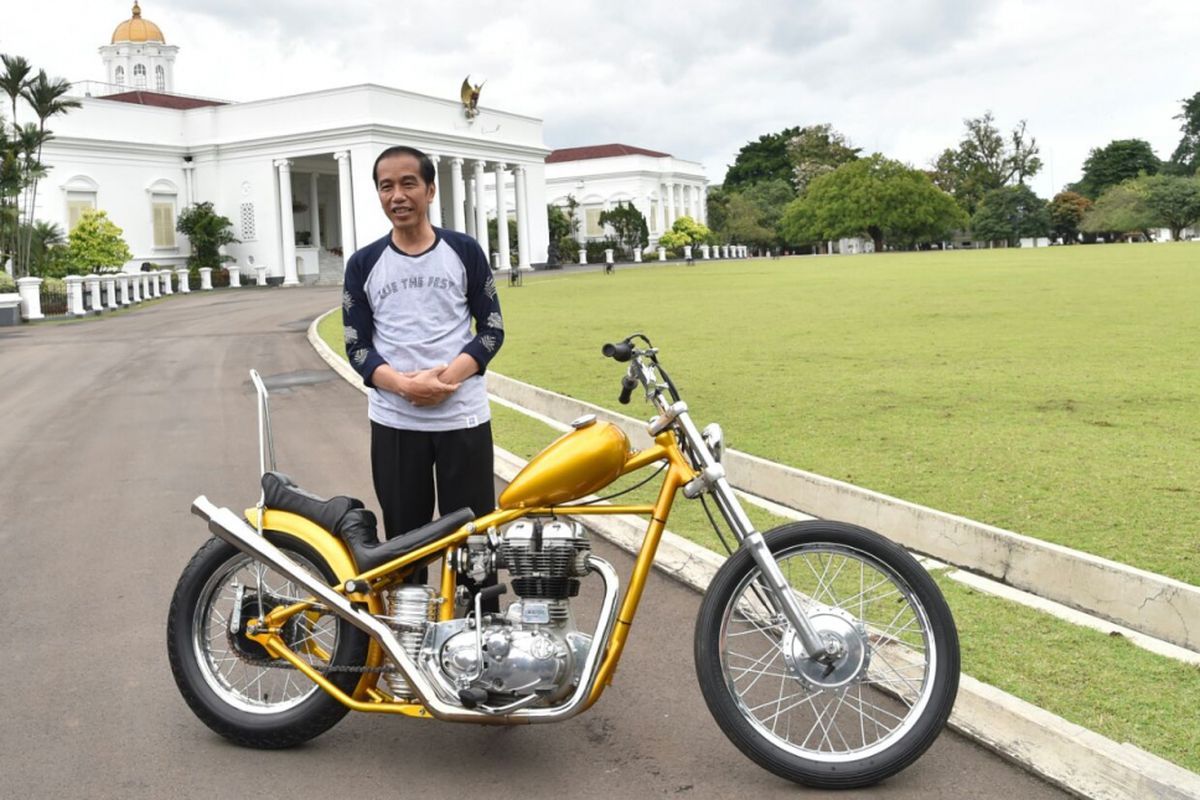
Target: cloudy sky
point(695, 79)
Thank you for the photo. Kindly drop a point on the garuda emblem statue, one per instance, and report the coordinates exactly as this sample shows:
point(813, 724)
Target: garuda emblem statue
point(470, 98)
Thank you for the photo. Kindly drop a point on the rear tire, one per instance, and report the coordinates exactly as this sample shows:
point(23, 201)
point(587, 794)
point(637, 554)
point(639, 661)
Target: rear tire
point(864, 717)
point(224, 676)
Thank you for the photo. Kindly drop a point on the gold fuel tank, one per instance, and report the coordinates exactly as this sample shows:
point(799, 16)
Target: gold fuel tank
point(575, 464)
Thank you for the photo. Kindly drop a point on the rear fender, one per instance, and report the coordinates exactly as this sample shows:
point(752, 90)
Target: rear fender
point(338, 557)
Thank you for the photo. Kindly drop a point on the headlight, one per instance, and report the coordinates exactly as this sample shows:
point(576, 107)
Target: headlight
point(714, 437)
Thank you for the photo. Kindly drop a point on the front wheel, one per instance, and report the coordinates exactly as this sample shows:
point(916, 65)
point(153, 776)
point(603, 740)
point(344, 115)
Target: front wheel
point(229, 680)
point(860, 717)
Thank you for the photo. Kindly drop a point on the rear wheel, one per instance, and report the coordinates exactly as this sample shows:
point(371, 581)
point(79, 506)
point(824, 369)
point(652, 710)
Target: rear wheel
point(860, 717)
point(229, 680)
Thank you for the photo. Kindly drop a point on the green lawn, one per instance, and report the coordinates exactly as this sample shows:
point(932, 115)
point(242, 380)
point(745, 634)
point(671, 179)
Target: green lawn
point(1054, 392)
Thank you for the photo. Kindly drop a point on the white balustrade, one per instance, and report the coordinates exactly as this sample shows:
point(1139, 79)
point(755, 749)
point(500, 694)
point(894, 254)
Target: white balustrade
point(110, 291)
point(122, 279)
point(30, 290)
point(75, 295)
point(135, 287)
point(93, 285)
point(165, 277)
point(206, 279)
point(182, 273)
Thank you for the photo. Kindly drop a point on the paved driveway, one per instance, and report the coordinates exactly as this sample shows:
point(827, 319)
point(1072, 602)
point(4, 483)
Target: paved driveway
point(110, 427)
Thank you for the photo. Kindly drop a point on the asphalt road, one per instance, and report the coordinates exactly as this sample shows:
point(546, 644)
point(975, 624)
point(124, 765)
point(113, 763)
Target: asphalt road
point(110, 427)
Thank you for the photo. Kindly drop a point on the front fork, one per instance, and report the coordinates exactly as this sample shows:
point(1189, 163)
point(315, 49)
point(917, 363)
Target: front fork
point(712, 474)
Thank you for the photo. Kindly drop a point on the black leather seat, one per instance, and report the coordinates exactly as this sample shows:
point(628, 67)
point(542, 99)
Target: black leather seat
point(346, 517)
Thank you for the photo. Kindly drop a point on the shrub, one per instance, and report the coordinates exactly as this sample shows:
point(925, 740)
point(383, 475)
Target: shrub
point(7, 284)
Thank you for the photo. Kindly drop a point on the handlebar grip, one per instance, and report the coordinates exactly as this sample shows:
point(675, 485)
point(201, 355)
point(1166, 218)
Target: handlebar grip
point(621, 351)
point(628, 384)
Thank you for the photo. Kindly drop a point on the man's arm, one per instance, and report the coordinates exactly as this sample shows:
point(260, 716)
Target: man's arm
point(358, 322)
point(484, 304)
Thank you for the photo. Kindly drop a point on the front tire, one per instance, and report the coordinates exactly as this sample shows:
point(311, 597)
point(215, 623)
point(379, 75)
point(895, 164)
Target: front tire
point(855, 721)
point(226, 678)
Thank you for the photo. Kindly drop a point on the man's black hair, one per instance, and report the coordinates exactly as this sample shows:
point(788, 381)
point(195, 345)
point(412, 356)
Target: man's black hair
point(428, 171)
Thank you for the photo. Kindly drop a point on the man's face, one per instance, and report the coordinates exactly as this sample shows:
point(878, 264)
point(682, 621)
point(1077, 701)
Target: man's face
point(404, 196)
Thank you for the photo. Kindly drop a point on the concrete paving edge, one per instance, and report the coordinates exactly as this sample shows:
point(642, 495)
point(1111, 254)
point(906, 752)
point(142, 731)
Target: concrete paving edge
point(1159, 606)
point(1078, 760)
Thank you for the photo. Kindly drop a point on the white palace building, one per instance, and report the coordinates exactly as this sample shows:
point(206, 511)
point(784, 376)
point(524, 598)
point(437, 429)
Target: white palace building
point(293, 173)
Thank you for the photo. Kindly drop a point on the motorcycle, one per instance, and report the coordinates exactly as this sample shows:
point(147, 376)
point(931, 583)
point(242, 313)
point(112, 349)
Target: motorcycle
point(823, 650)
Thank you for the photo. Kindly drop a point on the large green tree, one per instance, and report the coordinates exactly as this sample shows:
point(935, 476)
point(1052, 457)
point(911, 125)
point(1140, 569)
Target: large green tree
point(1009, 214)
point(563, 228)
point(1066, 212)
point(762, 160)
point(207, 231)
point(96, 243)
point(1186, 158)
point(1121, 210)
point(685, 231)
point(628, 226)
point(1173, 200)
point(986, 160)
point(1117, 161)
point(875, 197)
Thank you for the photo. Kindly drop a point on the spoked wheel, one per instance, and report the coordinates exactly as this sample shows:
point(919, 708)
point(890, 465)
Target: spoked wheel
point(228, 679)
point(856, 718)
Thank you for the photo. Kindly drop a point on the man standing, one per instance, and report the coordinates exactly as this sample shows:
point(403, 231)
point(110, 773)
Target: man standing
point(407, 308)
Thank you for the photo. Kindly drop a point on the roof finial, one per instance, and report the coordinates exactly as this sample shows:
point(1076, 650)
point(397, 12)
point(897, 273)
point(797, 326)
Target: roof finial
point(137, 10)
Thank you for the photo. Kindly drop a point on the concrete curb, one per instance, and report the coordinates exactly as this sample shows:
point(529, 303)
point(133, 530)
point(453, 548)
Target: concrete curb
point(1162, 607)
point(1078, 760)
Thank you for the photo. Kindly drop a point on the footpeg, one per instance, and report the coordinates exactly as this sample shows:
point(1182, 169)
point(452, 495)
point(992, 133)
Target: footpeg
point(470, 698)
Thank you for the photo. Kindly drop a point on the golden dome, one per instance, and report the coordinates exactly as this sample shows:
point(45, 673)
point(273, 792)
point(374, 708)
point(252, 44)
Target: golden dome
point(137, 29)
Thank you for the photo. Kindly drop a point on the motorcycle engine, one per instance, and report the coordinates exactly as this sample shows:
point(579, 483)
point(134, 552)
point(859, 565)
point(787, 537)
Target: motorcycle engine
point(533, 648)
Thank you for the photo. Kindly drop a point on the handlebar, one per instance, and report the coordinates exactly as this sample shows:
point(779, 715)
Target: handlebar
point(621, 351)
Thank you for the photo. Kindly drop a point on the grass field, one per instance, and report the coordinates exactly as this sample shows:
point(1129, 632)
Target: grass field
point(1054, 392)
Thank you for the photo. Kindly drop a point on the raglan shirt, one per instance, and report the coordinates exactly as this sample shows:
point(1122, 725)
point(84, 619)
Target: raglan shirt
point(414, 312)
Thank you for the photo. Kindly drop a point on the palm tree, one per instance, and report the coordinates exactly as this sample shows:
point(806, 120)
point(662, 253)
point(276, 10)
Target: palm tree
point(48, 99)
point(24, 147)
point(12, 81)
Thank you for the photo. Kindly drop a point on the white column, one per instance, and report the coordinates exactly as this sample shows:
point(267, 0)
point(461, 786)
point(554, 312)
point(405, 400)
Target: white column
point(660, 212)
point(93, 285)
point(704, 204)
point(30, 290)
point(457, 217)
point(189, 177)
point(74, 295)
point(435, 208)
point(110, 291)
point(670, 192)
point(182, 274)
point(314, 212)
point(206, 279)
point(165, 277)
point(288, 229)
point(481, 231)
point(469, 206)
point(345, 205)
point(502, 246)
point(522, 218)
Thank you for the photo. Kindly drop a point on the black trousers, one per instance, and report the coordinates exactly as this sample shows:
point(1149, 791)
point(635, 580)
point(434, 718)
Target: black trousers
point(405, 464)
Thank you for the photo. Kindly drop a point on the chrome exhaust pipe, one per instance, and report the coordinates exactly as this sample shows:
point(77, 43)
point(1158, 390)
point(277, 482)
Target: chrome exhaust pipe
point(232, 529)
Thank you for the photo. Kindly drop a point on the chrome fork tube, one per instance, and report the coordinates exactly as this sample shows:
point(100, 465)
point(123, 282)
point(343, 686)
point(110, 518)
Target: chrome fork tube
point(743, 530)
point(230, 528)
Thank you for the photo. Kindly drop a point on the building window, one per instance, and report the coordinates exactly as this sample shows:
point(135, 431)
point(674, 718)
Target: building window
point(248, 222)
point(160, 79)
point(592, 226)
point(120, 76)
point(139, 76)
point(77, 203)
point(162, 207)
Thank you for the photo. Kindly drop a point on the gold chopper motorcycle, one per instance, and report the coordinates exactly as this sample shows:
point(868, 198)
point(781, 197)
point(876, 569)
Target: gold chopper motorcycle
point(823, 650)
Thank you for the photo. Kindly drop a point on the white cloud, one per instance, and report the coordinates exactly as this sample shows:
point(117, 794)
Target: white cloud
point(698, 80)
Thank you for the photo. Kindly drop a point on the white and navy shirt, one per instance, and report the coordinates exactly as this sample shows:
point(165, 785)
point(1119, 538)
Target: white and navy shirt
point(414, 312)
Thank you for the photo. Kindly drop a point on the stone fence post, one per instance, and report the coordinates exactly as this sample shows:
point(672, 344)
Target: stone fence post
point(164, 276)
point(110, 291)
point(704, 252)
point(662, 254)
point(30, 290)
point(75, 295)
point(93, 284)
point(206, 279)
point(235, 276)
point(582, 255)
point(182, 273)
point(122, 280)
point(260, 278)
point(637, 255)
point(135, 285)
